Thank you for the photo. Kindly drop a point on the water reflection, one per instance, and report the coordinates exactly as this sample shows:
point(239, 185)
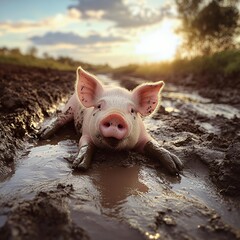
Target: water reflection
point(116, 184)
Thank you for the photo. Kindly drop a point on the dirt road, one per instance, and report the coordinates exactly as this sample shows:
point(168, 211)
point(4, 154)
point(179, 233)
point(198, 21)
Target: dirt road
point(123, 195)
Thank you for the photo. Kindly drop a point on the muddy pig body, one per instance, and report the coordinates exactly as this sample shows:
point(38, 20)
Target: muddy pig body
point(110, 117)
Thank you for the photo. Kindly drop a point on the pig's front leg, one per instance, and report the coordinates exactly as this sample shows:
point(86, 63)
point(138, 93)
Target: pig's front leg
point(169, 160)
point(56, 124)
point(85, 155)
point(47, 132)
point(61, 119)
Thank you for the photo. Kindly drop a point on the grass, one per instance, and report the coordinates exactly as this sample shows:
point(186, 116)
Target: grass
point(32, 61)
point(29, 61)
point(225, 63)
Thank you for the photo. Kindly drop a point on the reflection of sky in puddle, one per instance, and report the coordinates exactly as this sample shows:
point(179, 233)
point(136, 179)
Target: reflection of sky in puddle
point(211, 110)
point(106, 80)
point(41, 166)
point(181, 102)
point(171, 109)
point(187, 97)
point(195, 183)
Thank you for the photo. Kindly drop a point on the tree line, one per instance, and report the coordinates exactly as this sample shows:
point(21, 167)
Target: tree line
point(32, 52)
point(208, 26)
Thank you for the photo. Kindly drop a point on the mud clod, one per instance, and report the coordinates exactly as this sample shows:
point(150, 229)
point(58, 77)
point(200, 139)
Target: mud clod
point(164, 218)
point(44, 217)
point(226, 173)
point(191, 220)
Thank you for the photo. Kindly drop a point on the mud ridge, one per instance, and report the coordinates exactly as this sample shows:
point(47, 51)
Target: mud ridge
point(44, 217)
point(26, 97)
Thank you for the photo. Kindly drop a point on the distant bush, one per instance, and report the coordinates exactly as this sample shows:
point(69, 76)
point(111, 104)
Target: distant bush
point(14, 56)
point(31, 61)
point(225, 63)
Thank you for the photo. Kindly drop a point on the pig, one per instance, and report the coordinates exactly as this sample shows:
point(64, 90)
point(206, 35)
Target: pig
point(111, 118)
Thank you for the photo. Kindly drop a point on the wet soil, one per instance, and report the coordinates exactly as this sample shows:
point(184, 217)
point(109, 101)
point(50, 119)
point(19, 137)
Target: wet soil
point(27, 95)
point(44, 217)
point(209, 110)
point(124, 195)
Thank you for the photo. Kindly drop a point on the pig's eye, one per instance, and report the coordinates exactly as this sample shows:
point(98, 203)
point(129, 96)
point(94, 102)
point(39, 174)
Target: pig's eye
point(132, 110)
point(99, 106)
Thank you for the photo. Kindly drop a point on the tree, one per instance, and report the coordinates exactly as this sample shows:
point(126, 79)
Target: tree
point(66, 60)
point(4, 51)
point(32, 51)
point(46, 55)
point(15, 51)
point(208, 26)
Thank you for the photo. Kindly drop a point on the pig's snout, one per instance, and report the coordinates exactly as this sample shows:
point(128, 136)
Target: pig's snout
point(114, 126)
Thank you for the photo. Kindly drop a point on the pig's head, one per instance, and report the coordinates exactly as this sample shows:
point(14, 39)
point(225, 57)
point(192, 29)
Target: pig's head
point(113, 118)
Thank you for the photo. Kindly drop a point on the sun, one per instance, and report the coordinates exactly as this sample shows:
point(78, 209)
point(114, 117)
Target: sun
point(159, 44)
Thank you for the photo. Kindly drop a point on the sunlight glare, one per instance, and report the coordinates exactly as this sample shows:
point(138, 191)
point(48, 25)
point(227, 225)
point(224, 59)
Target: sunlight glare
point(160, 44)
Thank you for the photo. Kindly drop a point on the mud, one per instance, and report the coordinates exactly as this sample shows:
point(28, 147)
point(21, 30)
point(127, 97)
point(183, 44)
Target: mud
point(27, 96)
point(209, 128)
point(124, 195)
point(44, 217)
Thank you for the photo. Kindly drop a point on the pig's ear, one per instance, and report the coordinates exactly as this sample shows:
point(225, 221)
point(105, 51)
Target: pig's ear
point(88, 88)
point(147, 97)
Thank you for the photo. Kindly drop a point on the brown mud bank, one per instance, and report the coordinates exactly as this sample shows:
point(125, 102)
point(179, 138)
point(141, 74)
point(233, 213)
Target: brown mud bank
point(123, 195)
point(27, 95)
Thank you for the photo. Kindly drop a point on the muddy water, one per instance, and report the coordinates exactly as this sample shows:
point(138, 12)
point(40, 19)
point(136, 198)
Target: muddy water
point(112, 198)
point(123, 195)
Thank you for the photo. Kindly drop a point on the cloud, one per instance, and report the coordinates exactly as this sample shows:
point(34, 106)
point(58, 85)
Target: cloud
point(72, 15)
point(125, 14)
point(53, 38)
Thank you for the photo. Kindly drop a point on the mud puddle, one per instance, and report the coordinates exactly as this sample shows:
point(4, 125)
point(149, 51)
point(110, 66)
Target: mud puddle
point(124, 195)
point(117, 196)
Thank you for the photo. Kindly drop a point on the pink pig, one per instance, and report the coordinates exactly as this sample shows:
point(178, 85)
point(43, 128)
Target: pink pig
point(110, 117)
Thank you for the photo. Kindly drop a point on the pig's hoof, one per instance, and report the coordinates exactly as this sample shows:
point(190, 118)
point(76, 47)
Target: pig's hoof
point(83, 166)
point(83, 158)
point(178, 163)
point(45, 133)
point(80, 164)
point(169, 160)
point(77, 162)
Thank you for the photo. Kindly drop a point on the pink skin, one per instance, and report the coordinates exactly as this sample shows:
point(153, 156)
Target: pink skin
point(115, 112)
point(110, 117)
point(114, 126)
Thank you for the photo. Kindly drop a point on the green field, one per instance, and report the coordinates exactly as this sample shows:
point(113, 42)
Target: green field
point(226, 63)
point(62, 63)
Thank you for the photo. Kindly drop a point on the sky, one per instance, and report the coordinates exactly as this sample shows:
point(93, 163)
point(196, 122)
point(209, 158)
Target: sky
point(115, 32)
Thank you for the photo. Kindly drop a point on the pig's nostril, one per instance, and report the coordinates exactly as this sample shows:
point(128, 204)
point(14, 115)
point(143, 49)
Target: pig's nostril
point(120, 126)
point(114, 126)
point(107, 124)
